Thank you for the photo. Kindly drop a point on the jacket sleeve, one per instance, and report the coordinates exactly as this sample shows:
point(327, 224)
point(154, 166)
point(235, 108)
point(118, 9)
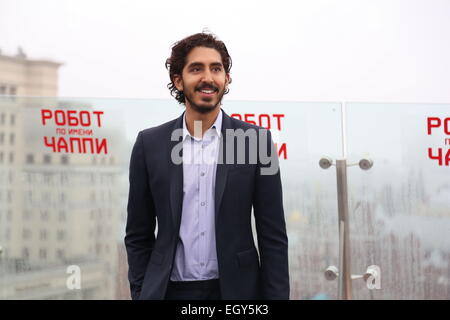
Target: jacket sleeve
point(270, 224)
point(141, 222)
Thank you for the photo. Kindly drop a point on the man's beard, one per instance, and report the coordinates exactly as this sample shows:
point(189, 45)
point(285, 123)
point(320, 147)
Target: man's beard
point(204, 109)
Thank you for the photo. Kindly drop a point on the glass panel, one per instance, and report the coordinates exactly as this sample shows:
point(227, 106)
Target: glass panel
point(309, 131)
point(400, 208)
point(61, 198)
point(63, 201)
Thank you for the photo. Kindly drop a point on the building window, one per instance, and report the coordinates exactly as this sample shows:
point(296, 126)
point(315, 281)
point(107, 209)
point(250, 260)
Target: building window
point(2, 118)
point(26, 234)
point(47, 159)
point(12, 91)
point(13, 119)
point(11, 157)
point(60, 254)
point(62, 216)
point(27, 214)
point(47, 178)
point(25, 253)
point(1, 157)
point(61, 235)
point(43, 235)
point(2, 90)
point(64, 178)
point(5, 253)
point(30, 158)
point(11, 138)
point(44, 215)
point(64, 159)
point(45, 196)
point(2, 137)
point(43, 253)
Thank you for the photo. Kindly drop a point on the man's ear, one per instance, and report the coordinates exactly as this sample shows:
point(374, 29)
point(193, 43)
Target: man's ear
point(178, 82)
point(227, 79)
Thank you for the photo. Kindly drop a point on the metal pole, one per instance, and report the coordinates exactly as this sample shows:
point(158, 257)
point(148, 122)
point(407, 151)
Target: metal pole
point(345, 284)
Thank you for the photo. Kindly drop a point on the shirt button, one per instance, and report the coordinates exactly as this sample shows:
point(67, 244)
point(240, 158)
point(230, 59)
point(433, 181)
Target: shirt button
point(202, 233)
point(202, 264)
point(202, 174)
point(202, 204)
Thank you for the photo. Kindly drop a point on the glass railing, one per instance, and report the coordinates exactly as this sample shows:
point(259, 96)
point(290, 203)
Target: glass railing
point(64, 190)
point(400, 208)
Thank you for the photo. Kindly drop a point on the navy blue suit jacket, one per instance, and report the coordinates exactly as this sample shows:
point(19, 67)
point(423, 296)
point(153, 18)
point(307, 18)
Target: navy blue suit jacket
point(155, 196)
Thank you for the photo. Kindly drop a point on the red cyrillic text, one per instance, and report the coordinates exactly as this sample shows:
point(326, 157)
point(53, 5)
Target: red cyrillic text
point(79, 145)
point(438, 155)
point(263, 120)
point(71, 118)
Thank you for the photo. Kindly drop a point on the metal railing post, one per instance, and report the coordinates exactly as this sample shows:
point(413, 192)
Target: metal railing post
point(345, 284)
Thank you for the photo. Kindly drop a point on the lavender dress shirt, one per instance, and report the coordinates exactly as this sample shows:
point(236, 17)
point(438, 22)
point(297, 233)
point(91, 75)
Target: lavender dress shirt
point(196, 256)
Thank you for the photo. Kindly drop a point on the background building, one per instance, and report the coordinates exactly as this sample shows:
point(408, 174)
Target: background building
point(26, 77)
point(56, 209)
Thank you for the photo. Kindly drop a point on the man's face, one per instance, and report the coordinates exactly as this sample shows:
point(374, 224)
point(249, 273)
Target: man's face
point(203, 79)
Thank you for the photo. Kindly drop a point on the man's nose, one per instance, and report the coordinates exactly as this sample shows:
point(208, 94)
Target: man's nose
point(207, 76)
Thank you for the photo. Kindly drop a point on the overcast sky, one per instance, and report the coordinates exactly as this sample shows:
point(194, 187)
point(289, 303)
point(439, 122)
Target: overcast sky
point(347, 50)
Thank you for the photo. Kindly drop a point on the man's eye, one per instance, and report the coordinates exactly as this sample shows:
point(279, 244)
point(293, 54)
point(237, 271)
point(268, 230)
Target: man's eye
point(218, 69)
point(195, 69)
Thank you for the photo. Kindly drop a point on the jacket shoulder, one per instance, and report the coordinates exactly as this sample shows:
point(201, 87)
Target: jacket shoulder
point(158, 132)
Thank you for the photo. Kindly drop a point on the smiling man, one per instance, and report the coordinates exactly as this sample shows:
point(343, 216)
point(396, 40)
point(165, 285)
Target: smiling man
point(204, 247)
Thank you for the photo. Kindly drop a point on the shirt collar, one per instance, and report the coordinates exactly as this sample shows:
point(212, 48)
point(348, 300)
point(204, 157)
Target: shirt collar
point(217, 126)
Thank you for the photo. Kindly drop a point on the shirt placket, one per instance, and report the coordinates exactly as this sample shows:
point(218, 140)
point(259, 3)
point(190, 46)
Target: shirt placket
point(203, 205)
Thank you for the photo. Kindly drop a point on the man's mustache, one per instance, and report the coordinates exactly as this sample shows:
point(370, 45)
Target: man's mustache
point(206, 87)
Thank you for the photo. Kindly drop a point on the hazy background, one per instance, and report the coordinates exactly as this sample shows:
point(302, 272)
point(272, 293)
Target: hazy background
point(321, 50)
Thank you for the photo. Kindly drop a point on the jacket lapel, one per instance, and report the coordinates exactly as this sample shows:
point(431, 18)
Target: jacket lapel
point(176, 177)
point(222, 167)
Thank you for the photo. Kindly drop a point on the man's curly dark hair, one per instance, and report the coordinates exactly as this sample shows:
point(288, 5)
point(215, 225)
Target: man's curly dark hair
point(180, 50)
